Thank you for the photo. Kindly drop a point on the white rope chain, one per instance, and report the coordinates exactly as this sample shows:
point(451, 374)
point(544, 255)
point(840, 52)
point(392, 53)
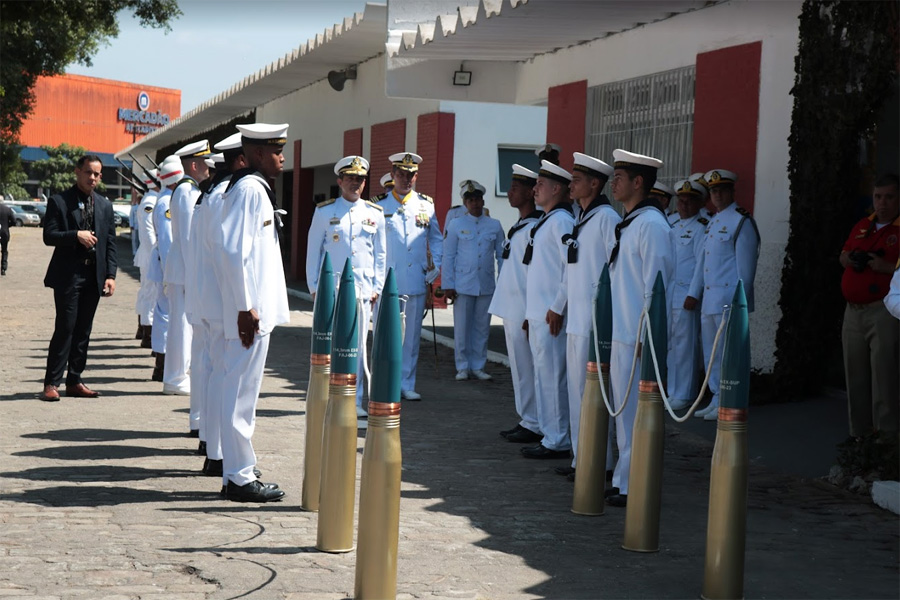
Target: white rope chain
point(615, 413)
point(365, 337)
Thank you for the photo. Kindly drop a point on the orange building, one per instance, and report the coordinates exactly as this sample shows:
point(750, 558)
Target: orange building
point(100, 115)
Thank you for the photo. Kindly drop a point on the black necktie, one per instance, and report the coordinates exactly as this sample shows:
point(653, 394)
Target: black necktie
point(571, 239)
point(529, 250)
point(648, 202)
point(520, 224)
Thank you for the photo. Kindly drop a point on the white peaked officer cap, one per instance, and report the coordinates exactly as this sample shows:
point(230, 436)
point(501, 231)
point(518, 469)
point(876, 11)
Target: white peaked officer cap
point(214, 159)
point(194, 150)
point(551, 171)
point(408, 161)
point(720, 177)
point(387, 180)
point(547, 148)
point(170, 170)
point(232, 142)
point(149, 176)
point(591, 166)
point(691, 187)
point(264, 134)
point(623, 159)
point(352, 165)
point(524, 175)
point(470, 186)
point(661, 189)
point(698, 177)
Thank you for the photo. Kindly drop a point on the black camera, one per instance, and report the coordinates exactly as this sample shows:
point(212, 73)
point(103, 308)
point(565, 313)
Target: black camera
point(860, 258)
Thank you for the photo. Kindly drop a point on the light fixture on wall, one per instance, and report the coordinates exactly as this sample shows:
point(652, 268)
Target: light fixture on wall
point(337, 79)
point(462, 77)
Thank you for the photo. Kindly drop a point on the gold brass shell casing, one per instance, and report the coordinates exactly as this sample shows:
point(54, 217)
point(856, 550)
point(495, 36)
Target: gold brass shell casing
point(590, 480)
point(645, 476)
point(338, 473)
point(316, 405)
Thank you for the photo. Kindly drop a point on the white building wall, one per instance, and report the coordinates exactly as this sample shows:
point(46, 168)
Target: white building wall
point(480, 128)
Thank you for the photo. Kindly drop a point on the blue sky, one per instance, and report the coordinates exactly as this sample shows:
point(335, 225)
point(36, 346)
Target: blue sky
point(214, 44)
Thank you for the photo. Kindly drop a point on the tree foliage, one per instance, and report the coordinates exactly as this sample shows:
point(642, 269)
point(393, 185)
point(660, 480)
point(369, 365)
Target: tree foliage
point(845, 66)
point(57, 172)
point(42, 37)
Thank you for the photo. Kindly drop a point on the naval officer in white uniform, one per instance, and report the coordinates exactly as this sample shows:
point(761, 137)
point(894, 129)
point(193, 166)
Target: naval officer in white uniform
point(588, 251)
point(254, 302)
point(508, 303)
point(685, 349)
point(545, 308)
point(642, 248)
point(348, 226)
point(412, 236)
point(170, 171)
point(730, 252)
point(146, 296)
point(664, 194)
point(472, 243)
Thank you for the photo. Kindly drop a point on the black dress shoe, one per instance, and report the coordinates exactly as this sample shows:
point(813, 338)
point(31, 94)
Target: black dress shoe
point(194, 433)
point(609, 475)
point(222, 491)
point(201, 448)
point(506, 432)
point(545, 453)
point(258, 474)
point(613, 491)
point(619, 500)
point(525, 449)
point(212, 468)
point(567, 470)
point(525, 436)
point(255, 491)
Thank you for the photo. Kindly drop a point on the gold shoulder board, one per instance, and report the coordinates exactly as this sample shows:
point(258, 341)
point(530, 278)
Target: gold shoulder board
point(325, 203)
point(373, 205)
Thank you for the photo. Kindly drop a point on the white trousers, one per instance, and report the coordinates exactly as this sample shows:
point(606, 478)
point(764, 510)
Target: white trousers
point(240, 392)
point(709, 324)
point(201, 368)
point(619, 369)
point(471, 326)
point(549, 356)
point(210, 417)
point(684, 357)
point(363, 328)
point(413, 312)
point(159, 336)
point(146, 299)
point(178, 344)
point(522, 367)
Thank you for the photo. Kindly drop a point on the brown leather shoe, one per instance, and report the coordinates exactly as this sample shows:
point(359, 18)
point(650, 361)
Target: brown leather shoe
point(79, 390)
point(51, 394)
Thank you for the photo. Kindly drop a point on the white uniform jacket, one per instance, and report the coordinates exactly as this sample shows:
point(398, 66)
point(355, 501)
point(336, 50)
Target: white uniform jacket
point(253, 274)
point(146, 231)
point(892, 300)
point(452, 213)
point(348, 229)
point(203, 299)
point(645, 248)
point(508, 302)
point(412, 229)
point(181, 208)
point(730, 252)
point(587, 252)
point(545, 283)
point(162, 225)
point(470, 248)
point(687, 235)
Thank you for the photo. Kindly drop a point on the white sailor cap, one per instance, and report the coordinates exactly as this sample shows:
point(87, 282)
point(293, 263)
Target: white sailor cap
point(661, 189)
point(691, 187)
point(232, 142)
point(470, 186)
point(524, 175)
point(194, 150)
point(720, 177)
point(214, 159)
point(623, 159)
point(554, 172)
point(387, 180)
point(149, 176)
point(352, 165)
point(547, 148)
point(170, 170)
point(408, 161)
point(264, 134)
point(591, 166)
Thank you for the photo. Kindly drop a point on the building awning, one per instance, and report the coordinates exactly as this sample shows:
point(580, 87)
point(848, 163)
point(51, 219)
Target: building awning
point(355, 40)
point(33, 153)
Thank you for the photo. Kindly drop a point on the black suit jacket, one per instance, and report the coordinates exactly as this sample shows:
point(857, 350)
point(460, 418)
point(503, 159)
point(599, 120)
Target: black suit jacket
point(61, 225)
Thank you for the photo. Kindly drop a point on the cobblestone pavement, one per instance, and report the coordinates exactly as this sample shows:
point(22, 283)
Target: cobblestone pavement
point(102, 499)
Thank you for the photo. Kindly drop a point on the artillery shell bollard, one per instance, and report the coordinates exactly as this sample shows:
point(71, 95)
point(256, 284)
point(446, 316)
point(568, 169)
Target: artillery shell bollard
point(338, 476)
point(590, 481)
point(317, 396)
point(379, 488)
point(645, 476)
point(726, 530)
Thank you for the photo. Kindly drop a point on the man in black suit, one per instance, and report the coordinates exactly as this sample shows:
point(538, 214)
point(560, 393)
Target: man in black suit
point(6, 220)
point(80, 225)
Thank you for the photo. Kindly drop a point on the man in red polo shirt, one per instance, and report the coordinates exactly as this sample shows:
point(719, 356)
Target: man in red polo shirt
point(870, 335)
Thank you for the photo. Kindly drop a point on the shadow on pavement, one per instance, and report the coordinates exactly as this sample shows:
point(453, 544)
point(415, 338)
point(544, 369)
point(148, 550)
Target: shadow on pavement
point(79, 495)
point(103, 452)
point(98, 473)
point(100, 435)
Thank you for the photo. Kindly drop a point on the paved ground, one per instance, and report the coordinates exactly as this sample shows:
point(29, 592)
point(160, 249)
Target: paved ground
point(102, 498)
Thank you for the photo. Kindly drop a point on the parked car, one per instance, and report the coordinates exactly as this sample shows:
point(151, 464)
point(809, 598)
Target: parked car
point(122, 215)
point(38, 208)
point(23, 217)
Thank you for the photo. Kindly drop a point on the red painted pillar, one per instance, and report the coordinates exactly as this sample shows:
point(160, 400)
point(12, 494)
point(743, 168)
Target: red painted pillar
point(387, 138)
point(435, 146)
point(566, 118)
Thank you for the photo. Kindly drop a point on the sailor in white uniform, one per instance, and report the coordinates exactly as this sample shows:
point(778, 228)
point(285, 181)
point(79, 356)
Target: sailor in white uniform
point(663, 194)
point(642, 248)
point(147, 293)
point(170, 171)
point(414, 242)
point(685, 350)
point(730, 252)
point(181, 208)
point(254, 301)
point(508, 303)
point(350, 227)
point(588, 251)
point(545, 310)
point(472, 243)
